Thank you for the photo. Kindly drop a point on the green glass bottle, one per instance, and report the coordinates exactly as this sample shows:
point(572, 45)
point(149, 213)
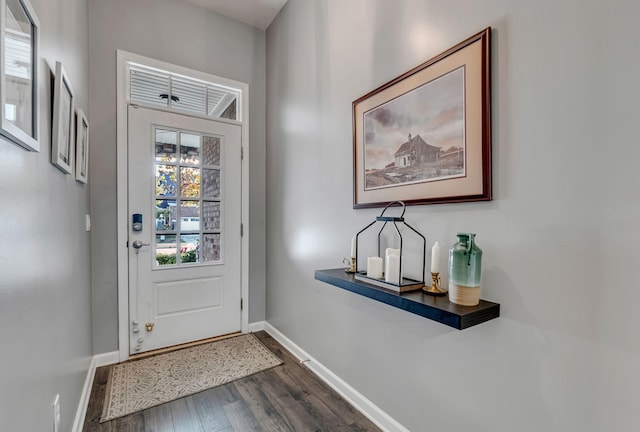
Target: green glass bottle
point(465, 269)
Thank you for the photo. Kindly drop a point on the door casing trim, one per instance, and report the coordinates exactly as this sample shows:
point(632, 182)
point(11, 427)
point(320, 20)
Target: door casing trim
point(124, 57)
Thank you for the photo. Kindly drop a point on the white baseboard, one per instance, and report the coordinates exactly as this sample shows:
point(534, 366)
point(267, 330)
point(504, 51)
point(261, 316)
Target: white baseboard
point(256, 326)
point(106, 359)
point(96, 362)
point(381, 419)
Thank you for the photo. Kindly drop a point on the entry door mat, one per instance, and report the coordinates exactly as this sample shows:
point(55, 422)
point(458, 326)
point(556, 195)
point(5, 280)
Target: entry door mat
point(140, 384)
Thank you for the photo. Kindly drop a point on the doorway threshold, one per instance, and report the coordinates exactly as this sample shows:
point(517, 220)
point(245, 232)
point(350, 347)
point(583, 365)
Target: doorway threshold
point(181, 346)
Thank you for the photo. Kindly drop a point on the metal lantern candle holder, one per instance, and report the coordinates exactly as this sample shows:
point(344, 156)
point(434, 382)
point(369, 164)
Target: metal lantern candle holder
point(402, 284)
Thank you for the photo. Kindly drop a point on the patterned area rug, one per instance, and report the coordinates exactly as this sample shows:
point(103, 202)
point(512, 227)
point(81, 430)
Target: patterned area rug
point(151, 381)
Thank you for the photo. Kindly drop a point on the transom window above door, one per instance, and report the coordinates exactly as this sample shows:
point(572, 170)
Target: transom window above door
point(157, 88)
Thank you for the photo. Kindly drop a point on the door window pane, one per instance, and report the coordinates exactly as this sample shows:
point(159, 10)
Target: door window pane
point(210, 150)
point(165, 249)
point(166, 215)
point(166, 180)
point(211, 215)
point(211, 183)
point(189, 182)
point(189, 248)
point(190, 216)
point(166, 145)
point(189, 149)
point(211, 247)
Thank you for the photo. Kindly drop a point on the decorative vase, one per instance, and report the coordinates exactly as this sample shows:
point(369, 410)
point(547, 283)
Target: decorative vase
point(465, 266)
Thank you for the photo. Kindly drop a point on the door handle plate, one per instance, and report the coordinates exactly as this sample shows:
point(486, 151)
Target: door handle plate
point(137, 244)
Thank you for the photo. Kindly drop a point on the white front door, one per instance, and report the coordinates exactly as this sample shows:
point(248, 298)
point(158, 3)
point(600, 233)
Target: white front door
point(184, 203)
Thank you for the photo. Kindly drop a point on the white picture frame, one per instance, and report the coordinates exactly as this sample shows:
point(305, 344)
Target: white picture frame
point(82, 147)
point(19, 101)
point(63, 116)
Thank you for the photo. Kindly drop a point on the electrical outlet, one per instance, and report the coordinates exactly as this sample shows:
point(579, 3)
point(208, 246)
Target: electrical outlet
point(56, 414)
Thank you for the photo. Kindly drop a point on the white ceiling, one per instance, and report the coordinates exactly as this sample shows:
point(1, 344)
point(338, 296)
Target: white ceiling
point(256, 13)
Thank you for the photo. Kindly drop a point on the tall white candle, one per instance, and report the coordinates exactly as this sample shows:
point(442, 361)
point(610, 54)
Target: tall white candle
point(435, 258)
point(392, 273)
point(374, 267)
point(353, 247)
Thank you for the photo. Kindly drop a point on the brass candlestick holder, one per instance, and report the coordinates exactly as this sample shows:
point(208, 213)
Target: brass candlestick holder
point(434, 289)
point(352, 265)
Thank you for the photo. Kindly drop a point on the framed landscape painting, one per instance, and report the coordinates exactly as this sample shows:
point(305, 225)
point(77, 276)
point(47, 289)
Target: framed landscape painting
point(425, 137)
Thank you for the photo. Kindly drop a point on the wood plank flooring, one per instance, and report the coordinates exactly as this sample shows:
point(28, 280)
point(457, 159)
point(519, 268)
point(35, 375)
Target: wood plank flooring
point(282, 399)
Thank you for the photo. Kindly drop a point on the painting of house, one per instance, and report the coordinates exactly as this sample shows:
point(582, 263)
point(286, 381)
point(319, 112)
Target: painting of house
point(416, 151)
point(411, 138)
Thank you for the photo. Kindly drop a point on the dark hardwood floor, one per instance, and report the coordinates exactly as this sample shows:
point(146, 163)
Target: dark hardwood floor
point(285, 398)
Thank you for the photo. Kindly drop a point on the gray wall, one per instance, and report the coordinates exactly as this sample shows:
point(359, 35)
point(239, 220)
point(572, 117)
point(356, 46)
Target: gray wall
point(45, 323)
point(181, 33)
point(558, 239)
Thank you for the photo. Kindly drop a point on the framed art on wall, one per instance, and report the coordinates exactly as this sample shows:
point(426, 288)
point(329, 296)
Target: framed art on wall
point(82, 147)
point(62, 133)
point(425, 136)
point(19, 73)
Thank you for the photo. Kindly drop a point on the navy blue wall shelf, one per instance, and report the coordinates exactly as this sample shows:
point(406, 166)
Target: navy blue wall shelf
point(438, 309)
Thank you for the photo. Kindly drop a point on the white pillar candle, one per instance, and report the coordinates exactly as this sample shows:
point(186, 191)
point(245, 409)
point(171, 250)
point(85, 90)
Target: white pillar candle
point(374, 267)
point(435, 258)
point(391, 251)
point(353, 247)
point(392, 274)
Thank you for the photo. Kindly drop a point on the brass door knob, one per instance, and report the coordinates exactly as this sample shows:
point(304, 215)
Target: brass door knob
point(149, 326)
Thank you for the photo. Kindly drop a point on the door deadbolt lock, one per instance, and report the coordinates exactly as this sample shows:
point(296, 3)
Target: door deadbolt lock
point(136, 222)
point(149, 326)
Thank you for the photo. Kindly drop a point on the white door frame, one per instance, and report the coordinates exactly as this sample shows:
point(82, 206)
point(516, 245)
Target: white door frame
point(122, 101)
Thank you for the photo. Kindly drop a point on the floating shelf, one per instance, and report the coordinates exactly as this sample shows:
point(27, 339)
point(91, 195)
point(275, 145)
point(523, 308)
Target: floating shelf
point(438, 309)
